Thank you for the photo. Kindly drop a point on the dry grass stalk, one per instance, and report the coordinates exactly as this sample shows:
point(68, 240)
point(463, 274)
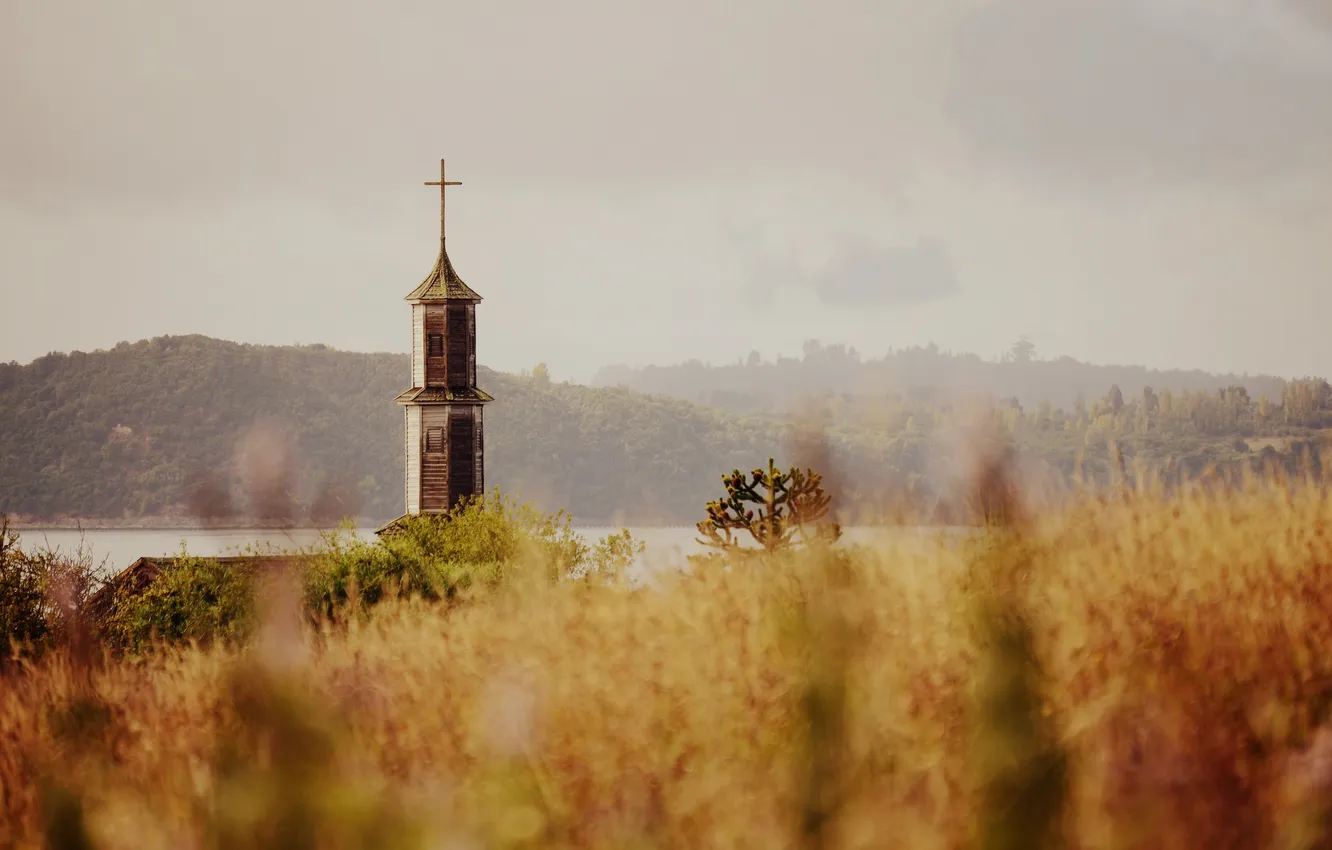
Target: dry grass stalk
point(1163, 660)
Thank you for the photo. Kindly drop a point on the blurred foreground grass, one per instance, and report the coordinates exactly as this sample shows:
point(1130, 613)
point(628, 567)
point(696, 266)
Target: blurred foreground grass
point(1133, 672)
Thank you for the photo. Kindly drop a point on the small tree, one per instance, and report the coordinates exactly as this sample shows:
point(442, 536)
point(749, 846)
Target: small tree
point(1115, 398)
point(1022, 351)
point(541, 375)
point(774, 507)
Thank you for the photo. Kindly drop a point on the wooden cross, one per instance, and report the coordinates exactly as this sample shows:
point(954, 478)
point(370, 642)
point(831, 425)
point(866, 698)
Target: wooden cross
point(442, 184)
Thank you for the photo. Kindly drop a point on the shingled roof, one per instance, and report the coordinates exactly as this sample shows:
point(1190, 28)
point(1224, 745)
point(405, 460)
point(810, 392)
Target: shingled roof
point(394, 527)
point(443, 283)
point(443, 395)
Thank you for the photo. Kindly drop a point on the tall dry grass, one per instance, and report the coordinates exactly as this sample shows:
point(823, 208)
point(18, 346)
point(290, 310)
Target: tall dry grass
point(1128, 672)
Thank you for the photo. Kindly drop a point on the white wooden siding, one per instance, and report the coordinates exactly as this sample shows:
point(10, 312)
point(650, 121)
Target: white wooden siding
point(471, 353)
point(413, 446)
point(418, 345)
point(480, 452)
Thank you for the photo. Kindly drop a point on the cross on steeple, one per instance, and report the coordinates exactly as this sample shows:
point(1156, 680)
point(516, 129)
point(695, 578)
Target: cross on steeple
point(443, 283)
point(443, 184)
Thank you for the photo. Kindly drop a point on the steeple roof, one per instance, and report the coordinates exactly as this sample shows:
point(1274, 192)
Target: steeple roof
point(443, 283)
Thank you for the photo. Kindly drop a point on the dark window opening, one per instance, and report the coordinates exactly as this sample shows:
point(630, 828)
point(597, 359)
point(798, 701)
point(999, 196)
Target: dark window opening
point(434, 439)
point(435, 345)
point(462, 458)
point(459, 348)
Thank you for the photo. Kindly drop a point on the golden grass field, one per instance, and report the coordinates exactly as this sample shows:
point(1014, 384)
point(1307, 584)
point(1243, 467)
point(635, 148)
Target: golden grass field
point(1131, 672)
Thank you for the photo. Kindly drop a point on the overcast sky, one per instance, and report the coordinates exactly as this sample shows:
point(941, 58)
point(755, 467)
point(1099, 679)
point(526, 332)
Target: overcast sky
point(1128, 181)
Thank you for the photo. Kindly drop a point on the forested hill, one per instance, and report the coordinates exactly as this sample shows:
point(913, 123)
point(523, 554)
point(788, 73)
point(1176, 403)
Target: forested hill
point(149, 428)
point(754, 385)
point(179, 427)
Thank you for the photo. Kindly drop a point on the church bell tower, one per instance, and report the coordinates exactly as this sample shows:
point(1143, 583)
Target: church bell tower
point(445, 447)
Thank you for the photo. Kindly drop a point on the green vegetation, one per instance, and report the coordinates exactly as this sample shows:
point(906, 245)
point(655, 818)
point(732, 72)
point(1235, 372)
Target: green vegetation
point(483, 541)
point(792, 508)
point(191, 427)
point(191, 599)
point(480, 547)
point(41, 592)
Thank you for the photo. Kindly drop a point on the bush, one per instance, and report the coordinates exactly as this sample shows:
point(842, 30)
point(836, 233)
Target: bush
point(42, 594)
point(609, 561)
point(22, 602)
point(200, 599)
point(486, 543)
point(483, 542)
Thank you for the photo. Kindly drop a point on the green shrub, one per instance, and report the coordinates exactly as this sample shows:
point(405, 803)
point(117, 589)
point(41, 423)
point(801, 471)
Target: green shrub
point(42, 594)
point(609, 561)
point(485, 543)
point(479, 545)
point(22, 618)
point(191, 598)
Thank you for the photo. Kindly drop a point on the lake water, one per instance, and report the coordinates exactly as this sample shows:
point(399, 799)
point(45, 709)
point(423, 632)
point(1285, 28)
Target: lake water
point(118, 548)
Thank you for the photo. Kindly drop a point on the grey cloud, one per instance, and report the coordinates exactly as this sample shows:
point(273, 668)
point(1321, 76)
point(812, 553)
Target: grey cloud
point(1316, 12)
point(865, 275)
point(1108, 91)
point(859, 273)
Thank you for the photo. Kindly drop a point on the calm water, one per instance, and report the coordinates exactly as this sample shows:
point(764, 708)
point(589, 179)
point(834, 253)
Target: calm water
point(118, 548)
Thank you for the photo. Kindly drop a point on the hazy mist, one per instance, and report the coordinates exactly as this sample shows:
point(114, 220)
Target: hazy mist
point(1129, 181)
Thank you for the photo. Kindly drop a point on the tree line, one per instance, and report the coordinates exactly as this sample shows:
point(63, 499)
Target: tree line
point(190, 427)
point(754, 384)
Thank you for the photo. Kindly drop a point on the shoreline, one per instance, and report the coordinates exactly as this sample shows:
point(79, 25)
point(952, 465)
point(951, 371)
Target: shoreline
point(183, 525)
point(361, 524)
point(166, 525)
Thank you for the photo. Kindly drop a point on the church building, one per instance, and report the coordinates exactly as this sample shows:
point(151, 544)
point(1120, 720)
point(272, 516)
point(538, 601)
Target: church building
point(442, 410)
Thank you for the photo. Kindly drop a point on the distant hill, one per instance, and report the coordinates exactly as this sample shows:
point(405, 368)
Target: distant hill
point(154, 428)
point(171, 428)
point(754, 385)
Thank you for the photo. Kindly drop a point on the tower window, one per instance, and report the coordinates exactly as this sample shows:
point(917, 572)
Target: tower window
point(458, 347)
point(435, 345)
point(434, 440)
